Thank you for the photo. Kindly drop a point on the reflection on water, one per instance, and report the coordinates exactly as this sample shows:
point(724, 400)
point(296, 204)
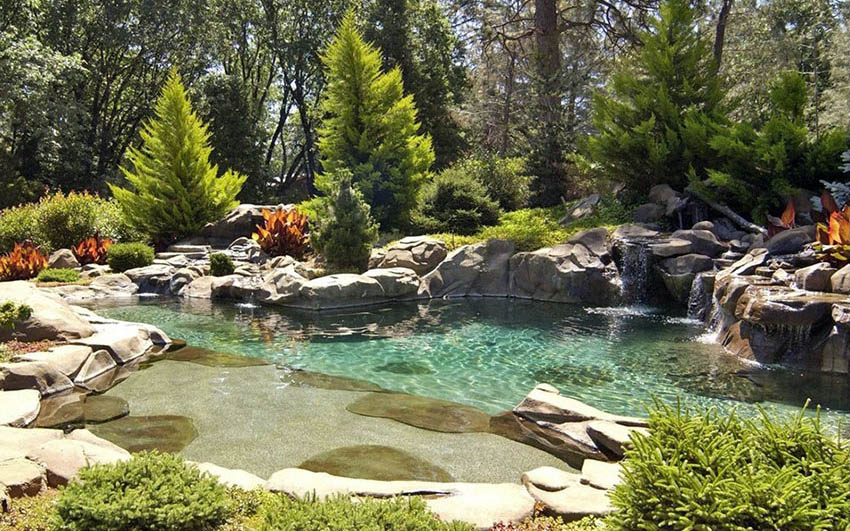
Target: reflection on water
point(489, 353)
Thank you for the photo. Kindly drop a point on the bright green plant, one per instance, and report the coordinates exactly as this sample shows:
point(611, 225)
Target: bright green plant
point(457, 201)
point(220, 265)
point(174, 189)
point(11, 313)
point(370, 128)
point(709, 470)
point(346, 232)
point(343, 514)
point(124, 256)
point(58, 275)
point(506, 178)
point(151, 491)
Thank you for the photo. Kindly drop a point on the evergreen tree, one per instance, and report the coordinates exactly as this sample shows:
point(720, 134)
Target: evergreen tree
point(175, 190)
point(345, 234)
point(370, 128)
point(663, 107)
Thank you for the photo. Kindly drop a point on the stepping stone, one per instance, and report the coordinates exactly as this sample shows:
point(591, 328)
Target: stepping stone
point(63, 458)
point(66, 358)
point(375, 462)
point(545, 403)
point(102, 408)
point(25, 439)
point(61, 410)
point(166, 433)
point(550, 478)
point(601, 475)
point(19, 408)
point(574, 503)
point(303, 378)
point(613, 437)
point(232, 477)
point(124, 343)
point(22, 477)
point(422, 412)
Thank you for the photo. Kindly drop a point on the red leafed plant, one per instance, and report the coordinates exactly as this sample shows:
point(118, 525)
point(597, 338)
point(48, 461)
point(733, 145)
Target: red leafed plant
point(24, 262)
point(92, 250)
point(832, 240)
point(783, 222)
point(285, 233)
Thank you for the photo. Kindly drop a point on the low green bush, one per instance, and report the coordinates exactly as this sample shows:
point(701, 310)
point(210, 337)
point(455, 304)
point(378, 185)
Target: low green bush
point(506, 179)
point(707, 470)
point(151, 491)
point(220, 265)
point(456, 202)
point(11, 313)
point(124, 256)
point(58, 275)
point(548, 523)
point(18, 224)
point(342, 514)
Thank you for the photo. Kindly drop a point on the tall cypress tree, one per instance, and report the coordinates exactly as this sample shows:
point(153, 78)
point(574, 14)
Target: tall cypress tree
point(655, 124)
point(174, 189)
point(370, 128)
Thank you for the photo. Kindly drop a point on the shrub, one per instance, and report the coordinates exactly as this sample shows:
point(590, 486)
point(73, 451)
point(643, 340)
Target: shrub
point(59, 275)
point(174, 189)
point(548, 523)
point(343, 514)
point(124, 256)
point(706, 470)
point(92, 250)
point(24, 262)
point(29, 513)
point(346, 234)
point(11, 313)
point(529, 229)
point(457, 202)
point(505, 179)
point(220, 265)
point(151, 491)
point(284, 233)
point(18, 224)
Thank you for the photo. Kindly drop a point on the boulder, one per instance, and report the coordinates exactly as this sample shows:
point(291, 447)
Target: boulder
point(839, 282)
point(245, 249)
point(746, 265)
point(239, 222)
point(678, 273)
point(595, 240)
point(814, 278)
point(550, 478)
point(671, 247)
point(66, 358)
point(600, 474)
point(396, 282)
point(662, 194)
point(545, 403)
point(114, 285)
point(649, 213)
point(155, 278)
point(52, 318)
point(564, 273)
point(633, 232)
point(22, 477)
point(704, 242)
point(614, 437)
point(704, 225)
point(232, 477)
point(790, 241)
point(94, 270)
point(575, 502)
point(234, 287)
point(19, 408)
point(480, 269)
point(97, 364)
point(185, 276)
point(782, 307)
point(33, 375)
point(339, 291)
point(124, 343)
point(62, 259)
point(419, 253)
point(584, 207)
point(63, 458)
point(200, 288)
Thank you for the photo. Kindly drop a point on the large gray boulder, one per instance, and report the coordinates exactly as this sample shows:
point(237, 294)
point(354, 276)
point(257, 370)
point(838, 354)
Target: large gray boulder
point(155, 278)
point(339, 291)
point(419, 253)
point(480, 269)
point(703, 241)
point(245, 249)
point(790, 241)
point(815, 277)
point(239, 222)
point(62, 259)
point(678, 273)
point(19, 408)
point(185, 276)
point(52, 318)
point(44, 377)
point(396, 282)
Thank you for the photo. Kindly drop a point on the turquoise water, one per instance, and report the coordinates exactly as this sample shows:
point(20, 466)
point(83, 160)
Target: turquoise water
point(490, 352)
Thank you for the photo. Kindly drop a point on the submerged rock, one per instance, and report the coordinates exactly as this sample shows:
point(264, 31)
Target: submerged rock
point(422, 412)
point(326, 381)
point(103, 408)
point(375, 462)
point(405, 367)
point(211, 358)
point(166, 433)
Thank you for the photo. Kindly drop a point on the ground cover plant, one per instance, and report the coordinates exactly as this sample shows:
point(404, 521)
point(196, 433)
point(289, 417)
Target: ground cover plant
point(58, 275)
point(12, 312)
point(124, 256)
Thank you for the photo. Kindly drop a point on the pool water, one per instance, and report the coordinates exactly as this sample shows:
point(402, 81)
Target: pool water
point(489, 353)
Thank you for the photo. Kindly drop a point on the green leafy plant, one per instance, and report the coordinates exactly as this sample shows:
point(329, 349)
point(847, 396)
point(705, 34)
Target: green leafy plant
point(174, 189)
point(457, 201)
point(24, 262)
point(344, 236)
point(343, 514)
point(284, 233)
point(220, 265)
point(58, 275)
point(702, 469)
point(506, 178)
point(151, 491)
point(11, 313)
point(124, 256)
point(548, 523)
point(370, 128)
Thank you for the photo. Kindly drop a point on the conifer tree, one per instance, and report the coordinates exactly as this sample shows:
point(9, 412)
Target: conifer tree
point(174, 189)
point(656, 123)
point(370, 128)
point(344, 236)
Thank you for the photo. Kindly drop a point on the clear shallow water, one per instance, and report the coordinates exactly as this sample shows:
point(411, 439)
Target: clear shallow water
point(489, 353)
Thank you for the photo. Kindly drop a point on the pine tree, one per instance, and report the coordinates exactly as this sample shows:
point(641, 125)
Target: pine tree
point(656, 123)
point(344, 236)
point(371, 129)
point(175, 190)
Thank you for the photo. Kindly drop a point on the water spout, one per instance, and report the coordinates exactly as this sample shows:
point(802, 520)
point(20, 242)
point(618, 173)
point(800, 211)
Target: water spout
point(634, 271)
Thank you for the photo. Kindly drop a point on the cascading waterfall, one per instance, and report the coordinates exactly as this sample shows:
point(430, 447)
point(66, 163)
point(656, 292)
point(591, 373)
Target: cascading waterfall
point(701, 297)
point(634, 271)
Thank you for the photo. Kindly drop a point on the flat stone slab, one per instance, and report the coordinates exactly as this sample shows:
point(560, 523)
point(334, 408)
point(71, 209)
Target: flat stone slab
point(22, 477)
point(66, 358)
point(480, 504)
point(601, 475)
point(545, 403)
point(124, 343)
point(574, 503)
point(551, 479)
point(33, 375)
point(232, 477)
point(614, 437)
point(422, 412)
point(19, 408)
point(63, 458)
point(370, 461)
point(25, 439)
point(103, 408)
point(166, 433)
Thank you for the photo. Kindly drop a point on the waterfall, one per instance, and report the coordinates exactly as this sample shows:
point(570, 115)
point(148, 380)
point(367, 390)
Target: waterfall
point(634, 270)
point(701, 298)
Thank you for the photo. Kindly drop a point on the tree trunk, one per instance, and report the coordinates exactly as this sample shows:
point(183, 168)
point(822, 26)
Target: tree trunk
point(548, 58)
point(720, 33)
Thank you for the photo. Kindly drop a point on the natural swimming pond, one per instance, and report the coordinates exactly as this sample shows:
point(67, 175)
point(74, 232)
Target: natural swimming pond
point(485, 353)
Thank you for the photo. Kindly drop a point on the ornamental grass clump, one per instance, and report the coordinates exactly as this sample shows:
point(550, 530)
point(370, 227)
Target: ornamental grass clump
point(703, 470)
point(150, 492)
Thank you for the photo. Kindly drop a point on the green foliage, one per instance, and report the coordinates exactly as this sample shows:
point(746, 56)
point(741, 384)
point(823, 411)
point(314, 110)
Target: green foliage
point(30, 513)
point(506, 178)
point(707, 470)
point(59, 221)
point(11, 312)
point(220, 265)
point(548, 523)
point(124, 256)
point(343, 514)
point(174, 189)
point(662, 108)
point(58, 275)
point(457, 201)
point(345, 234)
point(151, 491)
point(370, 128)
